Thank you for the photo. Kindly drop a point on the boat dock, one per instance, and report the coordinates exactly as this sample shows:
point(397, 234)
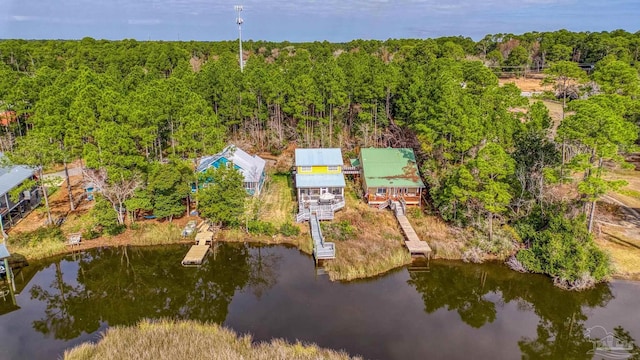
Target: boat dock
point(199, 251)
point(196, 255)
point(321, 250)
point(411, 239)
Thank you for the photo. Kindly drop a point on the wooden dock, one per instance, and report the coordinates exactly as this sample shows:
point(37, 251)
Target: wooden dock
point(196, 255)
point(411, 239)
point(198, 252)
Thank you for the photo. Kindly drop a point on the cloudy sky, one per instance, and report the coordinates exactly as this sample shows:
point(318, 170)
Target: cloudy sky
point(310, 20)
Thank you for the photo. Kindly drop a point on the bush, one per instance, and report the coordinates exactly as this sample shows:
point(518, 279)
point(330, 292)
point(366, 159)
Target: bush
point(341, 230)
point(90, 234)
point(261, 228)
point(566, 251)
point(289, 230)
point(105, 217)
point(37, 236)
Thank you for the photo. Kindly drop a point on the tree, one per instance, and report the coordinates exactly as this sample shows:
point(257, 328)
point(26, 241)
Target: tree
point(517, 59)
point(493, 167)
point(168, 186)
point(116, 190)
point(598, 125)
point(565, 250)
point(564, 74)
point(222, 201)
point(617, 77)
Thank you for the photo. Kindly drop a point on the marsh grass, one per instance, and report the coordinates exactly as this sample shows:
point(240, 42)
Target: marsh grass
point(301, 241)
point(41, 243)
point(167, 339)
point(375, 245)
point(156, 234)
point(445, 241)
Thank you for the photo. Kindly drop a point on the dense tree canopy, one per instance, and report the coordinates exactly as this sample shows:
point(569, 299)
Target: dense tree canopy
point(486, 153)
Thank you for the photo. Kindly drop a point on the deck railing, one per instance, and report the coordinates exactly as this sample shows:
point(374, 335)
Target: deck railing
point(375, 199)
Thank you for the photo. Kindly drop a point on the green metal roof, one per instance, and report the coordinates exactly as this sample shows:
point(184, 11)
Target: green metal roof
point(387, 167)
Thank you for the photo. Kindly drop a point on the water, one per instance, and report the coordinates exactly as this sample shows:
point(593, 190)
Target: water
point(451, 311)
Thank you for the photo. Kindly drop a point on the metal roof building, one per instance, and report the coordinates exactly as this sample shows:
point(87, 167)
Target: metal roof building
point(384, 167)
point(12, 176)
point(251, 166)
point(319, 157)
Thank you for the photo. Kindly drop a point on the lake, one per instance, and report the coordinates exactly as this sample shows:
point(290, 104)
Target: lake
point(436, 310)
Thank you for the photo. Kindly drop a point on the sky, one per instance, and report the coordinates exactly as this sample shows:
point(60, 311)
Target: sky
point(310, 20)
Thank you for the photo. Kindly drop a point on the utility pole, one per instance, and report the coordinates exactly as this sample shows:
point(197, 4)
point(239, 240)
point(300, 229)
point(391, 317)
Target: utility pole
point(239, 21)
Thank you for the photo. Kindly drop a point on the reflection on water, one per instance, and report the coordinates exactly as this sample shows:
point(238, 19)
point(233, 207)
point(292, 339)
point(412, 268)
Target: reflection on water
point(448, 310)
point(560, 333)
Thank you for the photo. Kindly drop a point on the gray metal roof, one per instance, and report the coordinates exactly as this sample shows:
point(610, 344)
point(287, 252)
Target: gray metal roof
point(4, 253)
point(251, 166)
point(318, 157)
point(320, 180)
point(12, 176)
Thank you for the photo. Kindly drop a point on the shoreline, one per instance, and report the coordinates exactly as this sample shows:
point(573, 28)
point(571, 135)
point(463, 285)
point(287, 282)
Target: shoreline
point(236, 236)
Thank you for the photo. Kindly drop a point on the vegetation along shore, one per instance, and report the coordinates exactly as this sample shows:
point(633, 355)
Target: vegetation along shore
point(519, 148)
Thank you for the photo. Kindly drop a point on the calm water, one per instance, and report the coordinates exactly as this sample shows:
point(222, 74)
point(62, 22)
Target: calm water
point(450, 311)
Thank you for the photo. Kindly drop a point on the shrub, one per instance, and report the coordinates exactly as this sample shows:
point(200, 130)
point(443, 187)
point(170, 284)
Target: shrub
point(261, 228)
point(566, 251)
point(289, 230)
point(37, 236)
point(105, 217)
point(90, 234)
point(341, 230)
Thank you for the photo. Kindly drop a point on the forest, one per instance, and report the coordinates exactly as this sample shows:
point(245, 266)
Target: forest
point(138, 114)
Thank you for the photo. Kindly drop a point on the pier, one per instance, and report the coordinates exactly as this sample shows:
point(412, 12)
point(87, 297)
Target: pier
point(199, 251)
point(411, 239)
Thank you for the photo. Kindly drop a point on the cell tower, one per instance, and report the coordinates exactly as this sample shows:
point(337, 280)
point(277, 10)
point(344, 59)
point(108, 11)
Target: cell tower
point(239, 21)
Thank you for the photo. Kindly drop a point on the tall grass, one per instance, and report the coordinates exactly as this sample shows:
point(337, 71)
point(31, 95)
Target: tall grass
point(301, 241)
point(375, 246)
point(38, 244)
point(156, 234)
point(191, 340)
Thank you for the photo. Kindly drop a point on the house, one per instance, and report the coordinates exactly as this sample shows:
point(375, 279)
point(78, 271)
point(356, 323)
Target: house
point(319, 182)
point(12, 176)
point(252, 167)
point(390, 174)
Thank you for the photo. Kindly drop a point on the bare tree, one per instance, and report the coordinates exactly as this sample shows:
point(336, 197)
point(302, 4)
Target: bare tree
point(115, 191)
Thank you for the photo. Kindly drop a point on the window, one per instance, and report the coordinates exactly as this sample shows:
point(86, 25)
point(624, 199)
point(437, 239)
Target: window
point(381, 191)
point(305, 169)
point(336, 191)
point(332, 168)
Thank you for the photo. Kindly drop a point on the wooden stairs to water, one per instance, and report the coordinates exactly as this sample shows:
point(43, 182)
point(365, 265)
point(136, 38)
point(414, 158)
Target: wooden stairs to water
point(321, 250)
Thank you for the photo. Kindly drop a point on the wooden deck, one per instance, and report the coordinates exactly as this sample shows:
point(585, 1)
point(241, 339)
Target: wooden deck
point(204, 238)
point(196, 255)
point(411, 239)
